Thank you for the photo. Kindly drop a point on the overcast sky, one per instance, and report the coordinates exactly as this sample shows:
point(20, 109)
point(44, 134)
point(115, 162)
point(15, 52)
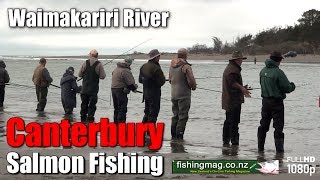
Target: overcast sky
point(191, 22)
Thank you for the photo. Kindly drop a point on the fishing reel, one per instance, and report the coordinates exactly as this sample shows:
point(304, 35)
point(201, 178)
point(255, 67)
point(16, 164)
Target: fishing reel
point(248, 87)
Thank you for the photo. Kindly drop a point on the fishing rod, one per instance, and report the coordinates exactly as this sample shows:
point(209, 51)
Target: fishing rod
point(221, 92)
point(138, 92)
point(300, 85)
point(126, 52)
point(55, 86)
point(209, 89)
point(121, 55)
point(19, 85)
point(27, 86)
point(23, 87)
point(212, 77)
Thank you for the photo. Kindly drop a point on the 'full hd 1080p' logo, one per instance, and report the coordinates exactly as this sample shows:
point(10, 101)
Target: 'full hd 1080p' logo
point(302, 165)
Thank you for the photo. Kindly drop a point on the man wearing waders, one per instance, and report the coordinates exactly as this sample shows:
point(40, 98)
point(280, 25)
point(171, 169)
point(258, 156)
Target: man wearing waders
point(274, 86)
point(232, 98)
point(69, 89)
point(152, 78)
point(4, 78)
point(182, 82)
point(42, 80)
point(122, 83)
point(91, 71)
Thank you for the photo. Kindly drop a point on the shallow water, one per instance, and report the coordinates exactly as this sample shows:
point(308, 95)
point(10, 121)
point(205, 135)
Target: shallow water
point(203, 135)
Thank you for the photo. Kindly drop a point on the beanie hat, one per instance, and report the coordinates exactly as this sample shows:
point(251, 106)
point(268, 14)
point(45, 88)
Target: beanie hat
point(129, 60)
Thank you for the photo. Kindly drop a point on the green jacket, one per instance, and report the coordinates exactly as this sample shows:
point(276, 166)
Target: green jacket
point(273, 81)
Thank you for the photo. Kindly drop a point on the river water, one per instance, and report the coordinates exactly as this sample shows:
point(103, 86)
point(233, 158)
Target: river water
point(203, 136)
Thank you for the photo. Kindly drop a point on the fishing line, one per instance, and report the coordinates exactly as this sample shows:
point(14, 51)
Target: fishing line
point(126, 52)
point(55, 86)
point(121, 55)
point(24, 87)
point(221, 92)
point(27, 86)
point(19, 85)
point(212, 77)
point(209, 90)
point(299, 85)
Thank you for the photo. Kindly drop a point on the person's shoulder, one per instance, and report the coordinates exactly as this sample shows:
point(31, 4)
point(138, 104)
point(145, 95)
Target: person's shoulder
point(187, 66)
point(280, 71)
point(98, 63)
point(230, 68)
point(127, 70)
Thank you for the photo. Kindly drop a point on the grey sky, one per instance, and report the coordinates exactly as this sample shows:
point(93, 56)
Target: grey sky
point(191, 21)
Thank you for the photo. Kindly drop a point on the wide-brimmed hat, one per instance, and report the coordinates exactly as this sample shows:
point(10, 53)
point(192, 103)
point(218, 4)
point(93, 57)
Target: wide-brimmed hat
point(237, 55)
point(129, 60)
point(153, 54)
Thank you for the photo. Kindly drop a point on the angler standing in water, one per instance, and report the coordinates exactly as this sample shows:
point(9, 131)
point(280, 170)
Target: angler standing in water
point(232, 98)
point(4, 78)
point(152, 78)
point(122, 83)
point(91, 71)
point(274, 86)
point(69, 89)
point(182, 82)
point(42, 80)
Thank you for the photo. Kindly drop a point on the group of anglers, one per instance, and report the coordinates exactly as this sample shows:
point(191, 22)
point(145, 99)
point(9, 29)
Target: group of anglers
point(273, 81)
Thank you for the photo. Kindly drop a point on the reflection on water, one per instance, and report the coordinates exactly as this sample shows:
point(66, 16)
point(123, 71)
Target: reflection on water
point(2, 124)
point(177, 146)
point(70, 117)
point(41, 117)
point(230, 150)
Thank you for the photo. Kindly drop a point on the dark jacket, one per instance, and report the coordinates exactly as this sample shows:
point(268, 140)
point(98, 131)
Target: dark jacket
point(41, 76)
point(152, 78)
point(4, 76)
point(69, 89)
point(230, 95)
point(273, 81)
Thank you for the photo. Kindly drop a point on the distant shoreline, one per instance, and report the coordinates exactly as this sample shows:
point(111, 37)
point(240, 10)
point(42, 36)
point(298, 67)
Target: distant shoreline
point(308, 58)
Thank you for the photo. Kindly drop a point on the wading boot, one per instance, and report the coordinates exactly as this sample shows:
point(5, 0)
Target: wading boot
point(279, 145)
point(180, 135)
point(226, 141)
point(173, 132)
point(261, 141)
point(145, 119)
point(235, 140)
point(84, 119)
